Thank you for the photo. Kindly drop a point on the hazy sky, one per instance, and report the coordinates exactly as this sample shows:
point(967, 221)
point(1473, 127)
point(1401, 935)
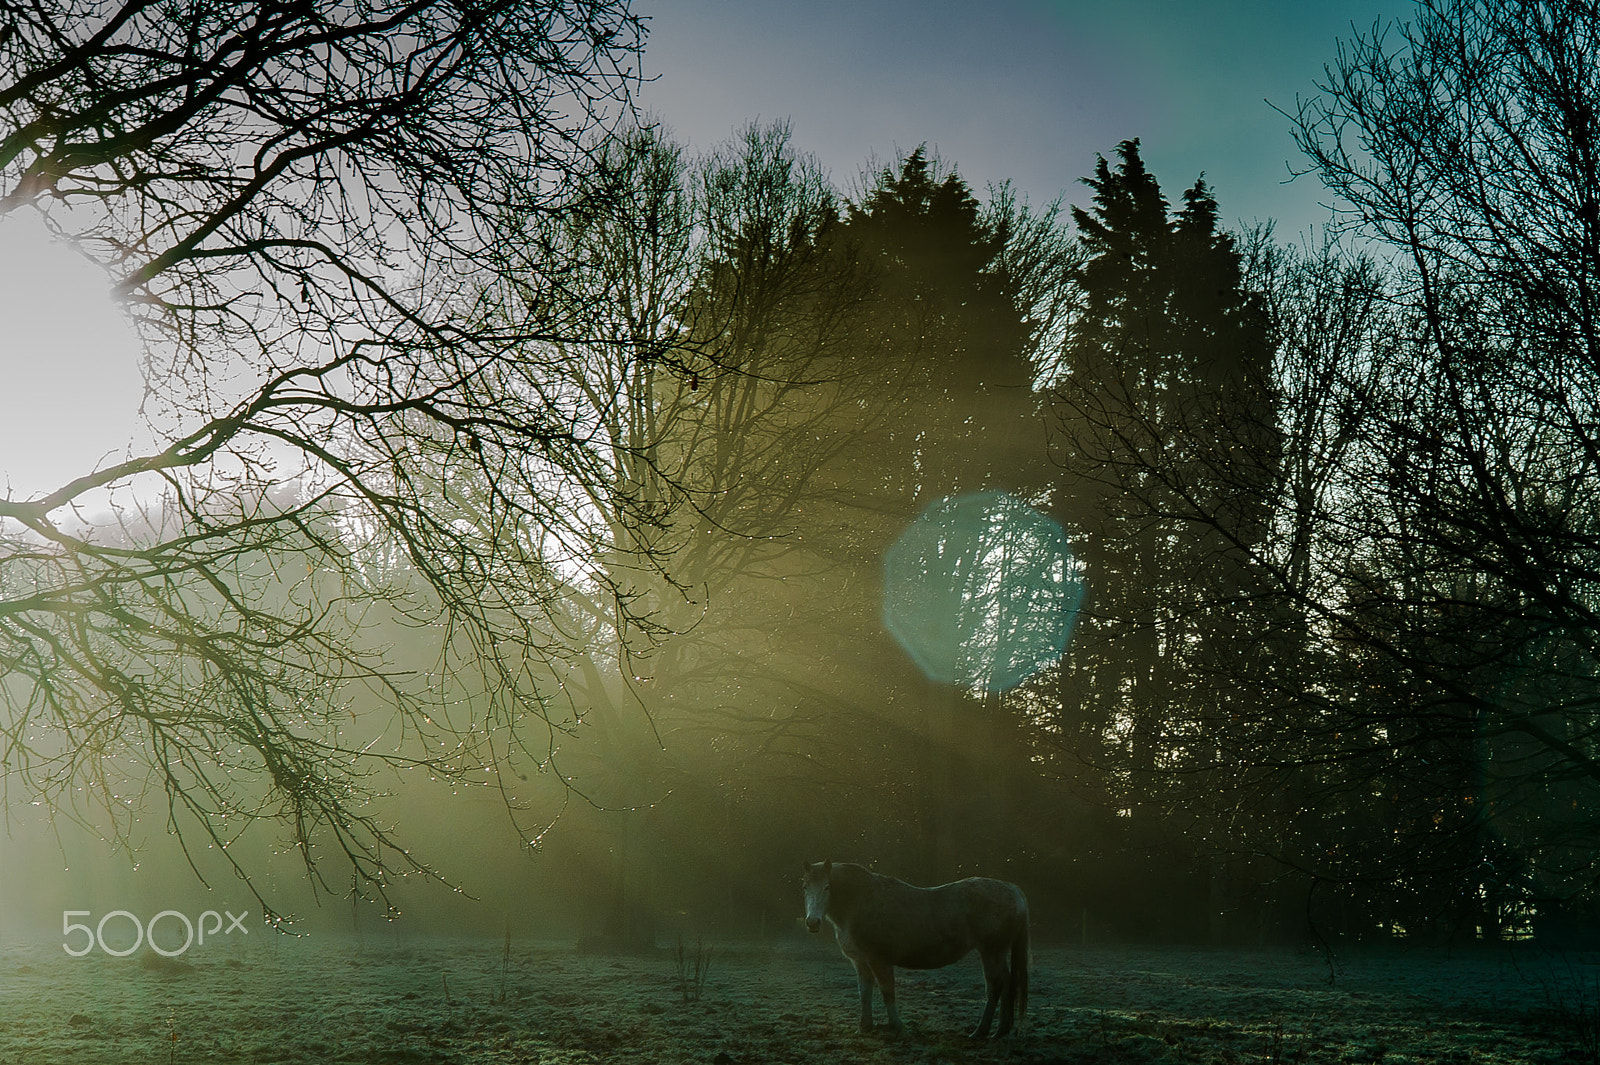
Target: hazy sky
point(69, 365)
point(1026, 90)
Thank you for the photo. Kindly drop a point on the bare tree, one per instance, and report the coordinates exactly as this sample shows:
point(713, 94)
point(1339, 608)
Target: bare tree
point(1470, 148)
point(290, 197)
point(718, 395)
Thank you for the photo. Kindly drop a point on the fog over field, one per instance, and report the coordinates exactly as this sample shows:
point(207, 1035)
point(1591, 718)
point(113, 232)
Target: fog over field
point(371, 999)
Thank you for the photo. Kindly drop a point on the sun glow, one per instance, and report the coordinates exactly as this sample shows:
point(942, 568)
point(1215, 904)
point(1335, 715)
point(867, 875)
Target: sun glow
point(70, 386)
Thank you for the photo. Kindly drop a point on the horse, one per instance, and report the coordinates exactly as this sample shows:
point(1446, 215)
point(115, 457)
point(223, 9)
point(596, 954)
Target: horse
point(881, 922)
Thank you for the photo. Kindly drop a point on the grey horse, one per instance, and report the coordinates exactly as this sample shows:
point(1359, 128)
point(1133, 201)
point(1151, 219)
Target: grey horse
point(882, 922)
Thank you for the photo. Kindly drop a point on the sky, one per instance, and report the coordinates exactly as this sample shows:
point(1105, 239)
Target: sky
point(1021, 90)
point(70, 385)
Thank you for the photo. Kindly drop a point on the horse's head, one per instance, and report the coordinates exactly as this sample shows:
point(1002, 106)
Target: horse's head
point(816, 888)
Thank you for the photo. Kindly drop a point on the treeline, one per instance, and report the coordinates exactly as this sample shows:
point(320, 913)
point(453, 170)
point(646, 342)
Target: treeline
point(587, 513)
point(1335, 507)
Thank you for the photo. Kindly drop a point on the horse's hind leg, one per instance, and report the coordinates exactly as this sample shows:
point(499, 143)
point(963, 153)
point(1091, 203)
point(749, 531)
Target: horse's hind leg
point(996, 978)
point(864, 985)
point(1008, 997)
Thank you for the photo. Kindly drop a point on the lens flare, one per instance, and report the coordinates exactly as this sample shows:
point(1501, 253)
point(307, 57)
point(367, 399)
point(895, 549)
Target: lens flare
point(981, 591)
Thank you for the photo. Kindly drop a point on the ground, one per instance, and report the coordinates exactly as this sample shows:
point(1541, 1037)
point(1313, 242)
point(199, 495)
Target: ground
point(275, 999)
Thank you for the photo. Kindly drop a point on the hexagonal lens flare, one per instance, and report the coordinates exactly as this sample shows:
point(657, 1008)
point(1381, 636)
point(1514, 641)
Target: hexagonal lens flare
point(982, 591)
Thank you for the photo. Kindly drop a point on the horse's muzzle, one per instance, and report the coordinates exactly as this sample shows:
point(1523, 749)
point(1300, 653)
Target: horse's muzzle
point(813, 923)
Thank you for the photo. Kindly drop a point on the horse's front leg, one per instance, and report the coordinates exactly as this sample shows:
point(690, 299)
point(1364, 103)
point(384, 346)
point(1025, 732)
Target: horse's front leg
point(864, 985)
point(884, 972)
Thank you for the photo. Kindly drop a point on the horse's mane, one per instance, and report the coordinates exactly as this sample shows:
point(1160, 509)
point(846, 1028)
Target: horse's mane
point(847, 881)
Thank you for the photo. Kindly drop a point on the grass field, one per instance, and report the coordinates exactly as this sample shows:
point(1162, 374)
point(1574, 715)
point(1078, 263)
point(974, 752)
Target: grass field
point(275, 999)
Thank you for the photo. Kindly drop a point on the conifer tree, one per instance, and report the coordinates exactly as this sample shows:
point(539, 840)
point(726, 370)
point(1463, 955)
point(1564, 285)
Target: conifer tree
point(1166, 411)
point(946, 313)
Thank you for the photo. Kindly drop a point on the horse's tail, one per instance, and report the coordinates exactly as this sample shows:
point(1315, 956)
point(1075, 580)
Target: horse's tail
point(1019, 965)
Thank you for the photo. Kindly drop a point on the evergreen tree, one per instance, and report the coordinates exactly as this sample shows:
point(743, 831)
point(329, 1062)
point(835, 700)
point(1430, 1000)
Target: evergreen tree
point(945, 314)
point(1166, 413)
point(952, 338)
